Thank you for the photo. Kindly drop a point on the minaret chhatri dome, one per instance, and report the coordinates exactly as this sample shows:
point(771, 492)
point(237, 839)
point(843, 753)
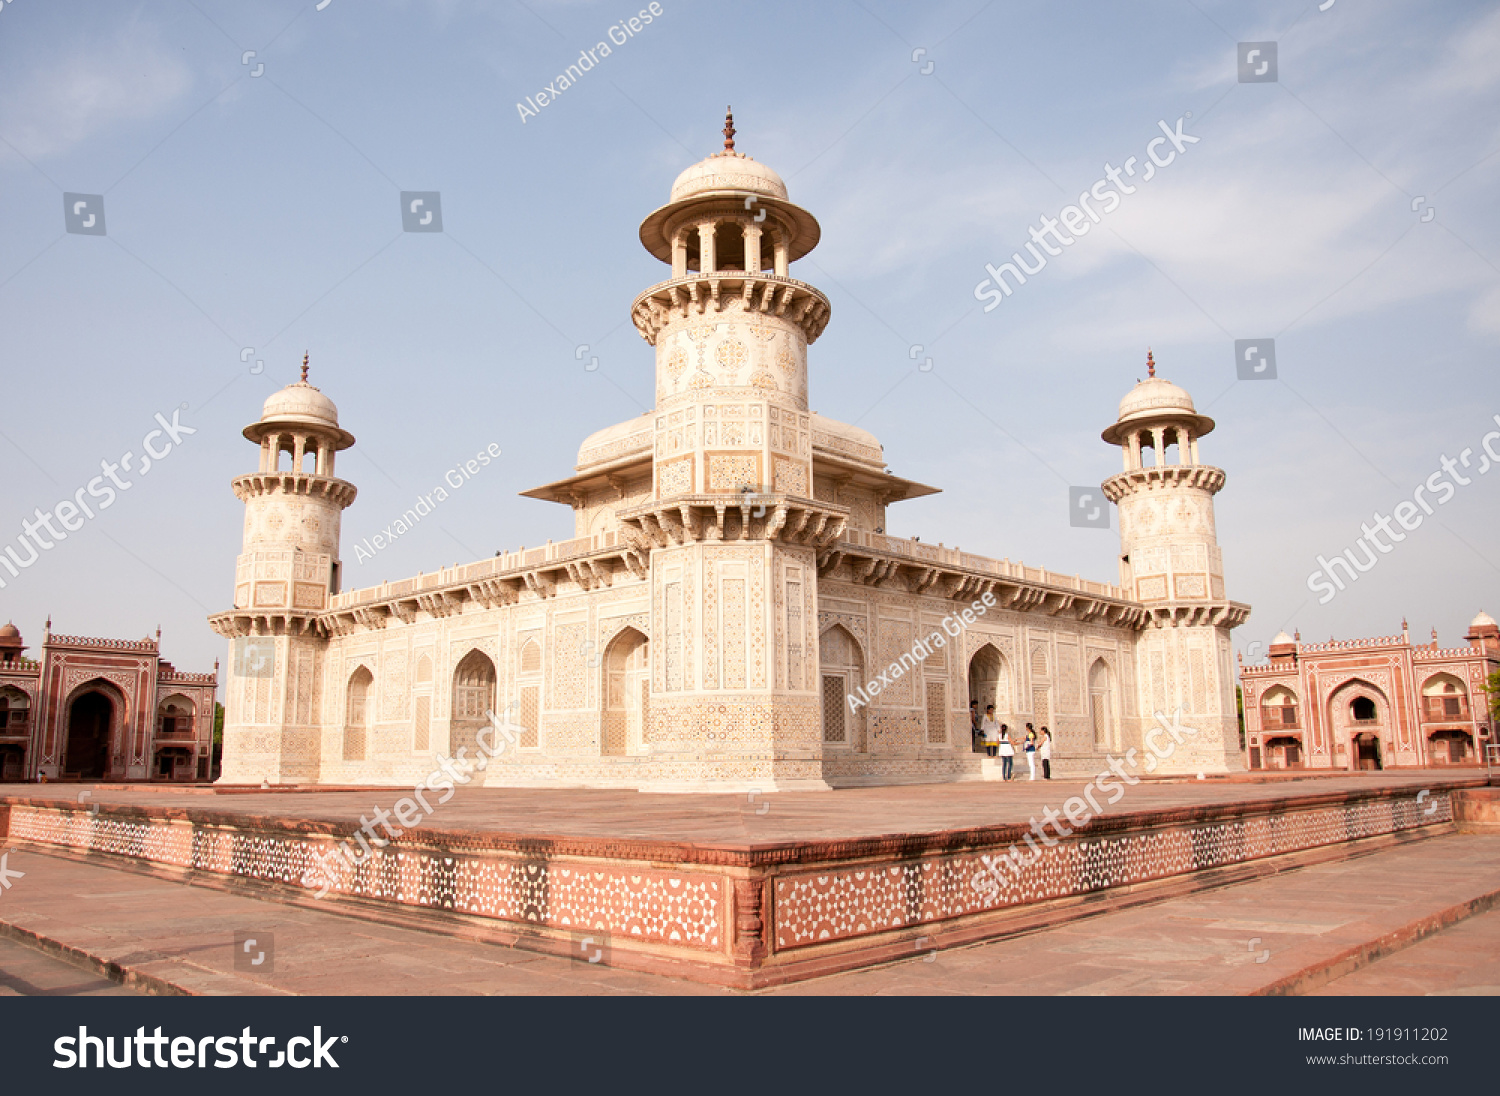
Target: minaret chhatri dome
point(299, 404)
point(1156, 399)
point(735, 180)
point(1171, 562)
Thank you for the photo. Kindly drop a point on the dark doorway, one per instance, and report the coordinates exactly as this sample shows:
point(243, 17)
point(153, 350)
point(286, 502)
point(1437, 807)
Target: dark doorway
point(89, 718)
point(1367, 752)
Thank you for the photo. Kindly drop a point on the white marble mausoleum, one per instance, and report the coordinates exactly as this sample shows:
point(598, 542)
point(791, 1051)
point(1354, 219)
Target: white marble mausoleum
point(729, 585)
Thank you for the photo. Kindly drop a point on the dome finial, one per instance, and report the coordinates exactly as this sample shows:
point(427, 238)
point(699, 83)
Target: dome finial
point(729, 129)
point(1150, 363)
point(304, 366)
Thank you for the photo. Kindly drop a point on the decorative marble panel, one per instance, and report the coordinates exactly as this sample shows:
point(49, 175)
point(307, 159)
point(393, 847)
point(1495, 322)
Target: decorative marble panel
point(841, 903)
point(675, 477)
point(682, 908)
point(791, 478)
point(733, 471)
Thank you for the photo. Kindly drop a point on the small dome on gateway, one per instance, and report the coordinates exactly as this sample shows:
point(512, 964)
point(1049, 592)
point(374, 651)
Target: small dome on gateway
point(1483, 620)
point(1283, 640)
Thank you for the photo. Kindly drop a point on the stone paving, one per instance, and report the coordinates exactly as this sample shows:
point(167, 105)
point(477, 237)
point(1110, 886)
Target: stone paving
point(1235, 940)
point(785, 816)
point(1460, 961)
point(26, 972)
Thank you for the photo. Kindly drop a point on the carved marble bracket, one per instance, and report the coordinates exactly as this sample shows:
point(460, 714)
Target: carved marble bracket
point(1203, 476)
point(849, 562)
point(694, 519)
point(240, 624)
point(695, 294)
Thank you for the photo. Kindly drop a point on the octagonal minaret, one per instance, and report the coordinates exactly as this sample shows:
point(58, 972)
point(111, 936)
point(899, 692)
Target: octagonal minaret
point(287, 569)
point(731, 320)
point(731, 526)
point(1170, 560)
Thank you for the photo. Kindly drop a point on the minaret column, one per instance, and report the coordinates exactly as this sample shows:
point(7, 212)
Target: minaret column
point(707, 263)
point(1174, 568)
point(733, 524)
point(286, 572)
point(752, 248)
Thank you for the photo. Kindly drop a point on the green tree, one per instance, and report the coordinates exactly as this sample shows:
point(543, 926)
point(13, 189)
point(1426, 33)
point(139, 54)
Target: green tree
point(1239, 707)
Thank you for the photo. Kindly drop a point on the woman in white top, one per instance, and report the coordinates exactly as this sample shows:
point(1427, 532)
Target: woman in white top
point(1007, 753)
point(1044, 752)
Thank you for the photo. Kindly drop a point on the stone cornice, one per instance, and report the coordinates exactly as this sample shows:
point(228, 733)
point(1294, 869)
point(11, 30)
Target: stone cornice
point(869, 566)
point(240, 623)
point(372, 609)
point(1217, 614)
point(771, 294)
point(1202, 476)
point(690, 519)
point(256, 484)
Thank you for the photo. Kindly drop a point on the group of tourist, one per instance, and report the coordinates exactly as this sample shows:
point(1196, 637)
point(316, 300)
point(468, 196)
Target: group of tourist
point(999, 741)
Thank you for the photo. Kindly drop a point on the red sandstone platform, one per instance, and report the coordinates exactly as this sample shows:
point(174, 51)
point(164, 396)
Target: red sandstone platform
point(1291, 932)
point(786, 816)
point(743, 892)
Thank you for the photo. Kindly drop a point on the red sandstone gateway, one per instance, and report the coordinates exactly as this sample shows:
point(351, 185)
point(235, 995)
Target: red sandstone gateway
point(1368, 704)
point(101, 709)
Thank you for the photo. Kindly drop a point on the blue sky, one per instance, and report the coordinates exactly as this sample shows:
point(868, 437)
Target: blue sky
point(262, 212)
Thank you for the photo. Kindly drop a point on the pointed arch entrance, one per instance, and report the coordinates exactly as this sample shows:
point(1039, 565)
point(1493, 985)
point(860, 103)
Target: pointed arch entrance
point(91, 719)
point(842, 663)
point(989, 684)
point(473, 697)
point(627, 693)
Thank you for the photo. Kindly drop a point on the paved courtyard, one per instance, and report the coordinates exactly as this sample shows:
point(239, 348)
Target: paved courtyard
point(785, 816)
